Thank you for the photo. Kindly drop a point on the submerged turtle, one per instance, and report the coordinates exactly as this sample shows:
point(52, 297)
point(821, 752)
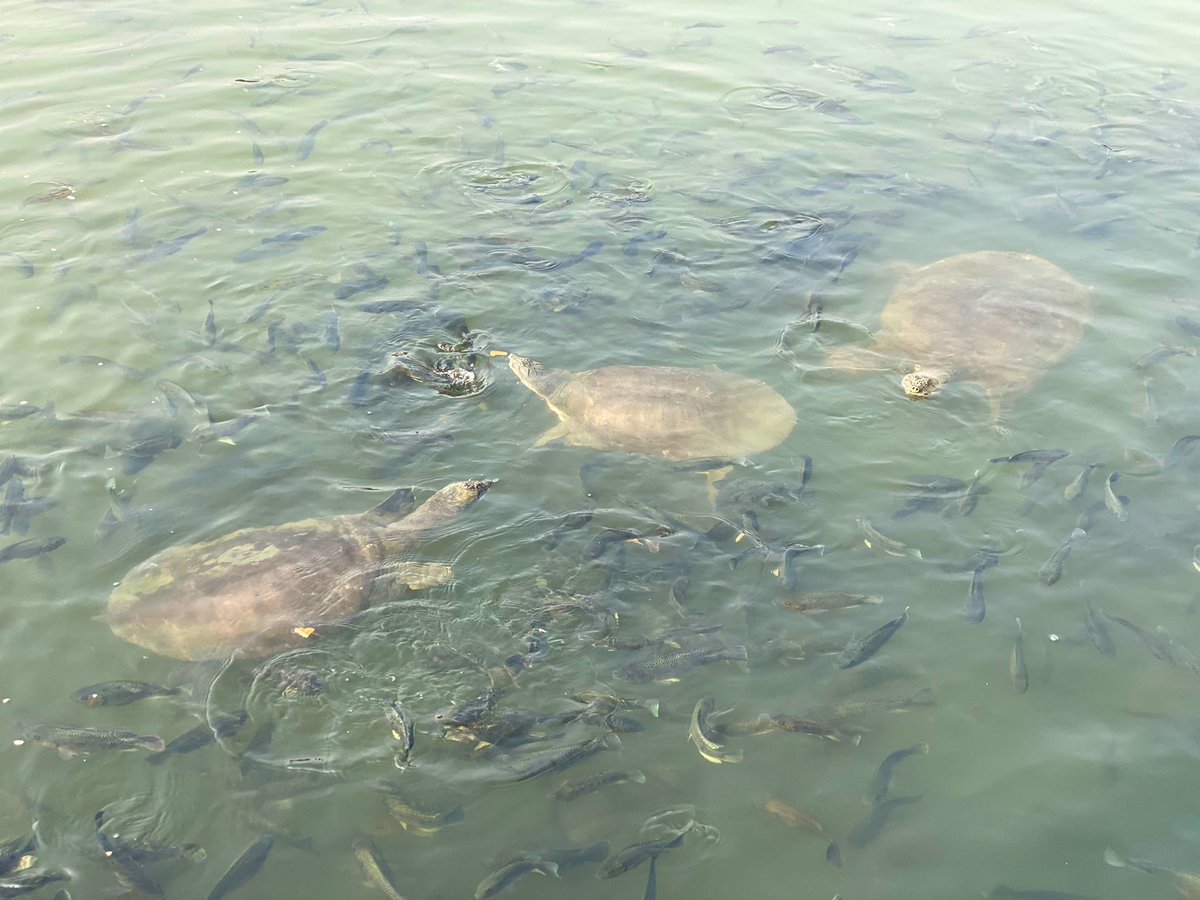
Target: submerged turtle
point(997, 319)
point(260, 590)
point(675, 413)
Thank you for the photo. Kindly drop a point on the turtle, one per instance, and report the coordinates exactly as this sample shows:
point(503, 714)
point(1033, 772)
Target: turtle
point(261, 590)
point(675, 413)
point(998, 319)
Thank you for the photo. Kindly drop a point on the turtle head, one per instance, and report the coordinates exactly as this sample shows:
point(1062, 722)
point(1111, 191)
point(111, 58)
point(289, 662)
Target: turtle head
point(920, 384)
point(542, 381)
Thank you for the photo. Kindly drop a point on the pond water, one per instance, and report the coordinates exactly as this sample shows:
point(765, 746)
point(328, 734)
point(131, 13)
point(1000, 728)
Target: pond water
point(262, 206)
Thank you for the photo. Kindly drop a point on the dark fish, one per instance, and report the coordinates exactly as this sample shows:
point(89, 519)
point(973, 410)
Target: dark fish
point(296, 234)
point(1079, 485)
point(634, 855)
point(1004, 891)
point(1098, 631)
point(866, 831)
point(670, 667)
point(14, 851)
point(1186, 883)
point(260, 181)
point(316, 378)
point(375, 868)
point(876, 540)
point(797, 725)
point(785, 48)
point(791, 816)
point(821, 601)
point(28, 880)
point(1154, 357)
point(402, 730)
point(706, 739)
point(244, 867)
point(1038, 461)
point(71, 741)
point(1016, 664)
point(330, 335)
point(1118, 506)
point(508, 875)
point(210, 324)
point(1052, 568)
point(264, 251)
point(309, 141)
point(975, 608)
point(606, 538)
point(163, 249)
point(1189, 326)
point(570, 522)
point(30, 547)
point(878, 789)
point(1159, 644)
point(101, 363)
point(634, 244)
point(470, 711)
point(415, 816)
point(257, 154)
point(368, 281)
point(833, 855)
point(1178, 450)
point(389, 306)
point(129, 872)
point(23, 262)
point(851, 708)
point(572, 790)
point(119, 693)
point(16, 411)
point(542, 762)
point(223, 725)
point(967, 503)
point(857, 652)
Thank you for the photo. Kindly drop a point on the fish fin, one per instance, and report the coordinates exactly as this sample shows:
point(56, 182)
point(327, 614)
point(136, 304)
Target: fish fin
point(1115, 859)
point(547, 868)
point(66, 752)
point(558, 432)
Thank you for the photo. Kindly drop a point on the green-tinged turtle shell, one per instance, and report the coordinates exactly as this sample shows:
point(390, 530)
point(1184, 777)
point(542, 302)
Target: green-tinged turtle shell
point(660, 411)
point(994, 318)
point(261, 590)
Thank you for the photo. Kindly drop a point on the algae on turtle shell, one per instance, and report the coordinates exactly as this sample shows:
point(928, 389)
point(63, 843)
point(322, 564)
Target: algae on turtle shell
point(993, 318)
point(676, 413)
point(259, 590)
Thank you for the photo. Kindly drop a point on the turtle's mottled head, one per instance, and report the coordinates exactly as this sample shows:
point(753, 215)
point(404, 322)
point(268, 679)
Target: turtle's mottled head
point(920, 384)
point(528, 372)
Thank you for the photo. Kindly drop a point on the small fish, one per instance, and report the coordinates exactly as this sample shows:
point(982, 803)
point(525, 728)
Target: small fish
point(1186, 883)
point(633, 244)
point(791, 816)
point(375, 868)
point(258, 180)
point(1001, 891)
point(797, 725)
point(508, 874)
point(634, 855)
point(163, 249)
point(70, 741)
point(1052, 569)
point(543, 762)
point(330, 335)
point(851, 708)
point(1189, 326)
point(1079, 484)
point(402, 730)
point(223, 725)
point(28, 880)
point(651, 892)
point(414, 816)
point(101, 362)
point(1016, 663)
point(244, 867)
point(857, 652)
point(1159, 645)
point(1118, 506)
point(822, 601)
point(976, 489)
point(120, 693)
point(470, 711)
point(129, 872)
point(30, 548)
point(668, 668)
point(884, 544)
point(13, 852)
point(309, 141)
point(878, 789)
point(833, 855)
point(866, 831)
point(571, 790)
point(702, 735)
point(295, 235)
point(1098, 631)
point(1178, 450)
point(975, 608)
point(1159, 355)
point(369, 280)
point(210, 324)
point(1038, 460)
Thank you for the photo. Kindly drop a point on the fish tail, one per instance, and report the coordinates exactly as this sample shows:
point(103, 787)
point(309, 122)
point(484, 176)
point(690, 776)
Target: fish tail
point(151, 742)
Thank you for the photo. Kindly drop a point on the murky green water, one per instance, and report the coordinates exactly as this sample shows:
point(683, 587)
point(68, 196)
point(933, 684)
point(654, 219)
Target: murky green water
point(589, 185)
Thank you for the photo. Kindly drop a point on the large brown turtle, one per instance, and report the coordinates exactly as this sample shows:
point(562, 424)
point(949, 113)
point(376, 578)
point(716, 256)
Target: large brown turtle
point(657, 410)
point(994, 318)
point(260, 590)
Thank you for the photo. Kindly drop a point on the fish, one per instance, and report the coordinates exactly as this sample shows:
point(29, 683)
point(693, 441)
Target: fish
point(402, 730)
point(851, 708)
point(369, 280)
point(415, 816)
point(375, 868)
point(1004, 891)
point(1052, 568)
point(651, 892)
point(12, 853)
point(1159, 645)
point(223, 725)
point(833, 855)
point(330, 335)
point(1189, 326)
point(294, 235)
point(101, 362)
point(30, 547)
point(71, 741)
point(120, 693)
point(1159, 355)
point(607, 538)
point(1016, 663)
point(822, 601)
point(309, 141)
point(163, 249)
point(967, 502)
point(210, 324)
point(881, 542)
point(858, 652)
point(1079, 484)
point(702, 735)
point(1098, 631)
point(791, 816)
point(668, 668)
point(628, 858)
point(975, 608)
point(154, 853)
point(244, 867)
point(1038, 461)
point(879, 786)
point(571, 790)
point(508, 874)
point(808, 726)
point(258, 180)
point(866, 831)
point(1180, 448)
point(129, 872)
point(470, 711)
point(31, 879)
point(1118, 506)
point(1186, 883)
point(535, 763)
point(633, 244)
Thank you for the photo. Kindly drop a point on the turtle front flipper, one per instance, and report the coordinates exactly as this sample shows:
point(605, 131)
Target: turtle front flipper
point(396, 579)
point(559, 432)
